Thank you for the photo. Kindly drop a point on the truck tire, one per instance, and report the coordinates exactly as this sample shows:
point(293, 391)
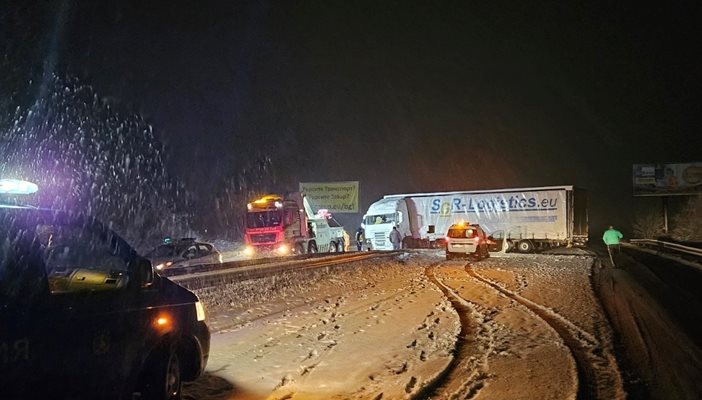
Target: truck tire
point(340, 246)
point(525, 246)
point(299, 248)
point(332, 247)
point(162, 379)
point(312, 247)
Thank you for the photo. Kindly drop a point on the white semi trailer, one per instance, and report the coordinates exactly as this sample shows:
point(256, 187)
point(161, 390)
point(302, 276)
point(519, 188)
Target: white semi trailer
point(525, 219)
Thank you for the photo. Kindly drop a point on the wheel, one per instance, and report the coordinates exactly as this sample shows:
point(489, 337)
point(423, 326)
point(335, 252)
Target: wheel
point(525, 246)
point(162, 379)
point(312, 248)
point(340, 246)
point(332, 247)
point(299, 249)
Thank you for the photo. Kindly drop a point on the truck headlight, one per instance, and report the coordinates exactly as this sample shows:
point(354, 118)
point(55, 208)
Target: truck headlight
point(283, 249)
point(249, 251)
point(200, 311)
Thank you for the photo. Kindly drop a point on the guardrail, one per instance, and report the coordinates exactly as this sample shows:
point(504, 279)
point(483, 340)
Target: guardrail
point(220, 274)
point(666, 247)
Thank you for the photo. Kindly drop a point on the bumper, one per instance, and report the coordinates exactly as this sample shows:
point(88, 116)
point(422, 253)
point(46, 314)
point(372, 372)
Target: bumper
point(461, 248)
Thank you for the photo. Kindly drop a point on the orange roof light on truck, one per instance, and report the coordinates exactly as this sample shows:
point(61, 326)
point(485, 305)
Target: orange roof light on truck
point(265, 202)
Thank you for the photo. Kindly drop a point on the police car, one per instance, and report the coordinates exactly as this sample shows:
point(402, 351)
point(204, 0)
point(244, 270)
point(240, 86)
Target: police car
point(463, 239)
point(82, 315)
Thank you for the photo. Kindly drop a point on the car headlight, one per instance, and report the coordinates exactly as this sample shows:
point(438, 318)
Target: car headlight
point(200, 311)
point(164, 265)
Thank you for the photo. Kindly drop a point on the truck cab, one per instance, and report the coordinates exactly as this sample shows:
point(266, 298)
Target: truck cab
point(379, 220)
point(84, 316)
point(285, 224)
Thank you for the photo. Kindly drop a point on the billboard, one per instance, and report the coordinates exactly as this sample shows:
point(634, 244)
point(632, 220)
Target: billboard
point(337, 197)
point(667, 179)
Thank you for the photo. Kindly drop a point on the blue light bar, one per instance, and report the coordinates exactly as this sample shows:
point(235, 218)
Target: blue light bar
point(16, 186)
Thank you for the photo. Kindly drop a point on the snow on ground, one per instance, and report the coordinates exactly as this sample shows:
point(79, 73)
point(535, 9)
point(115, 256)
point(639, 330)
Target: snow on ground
point(375, 329)
point(545, 311)
point(414, 326)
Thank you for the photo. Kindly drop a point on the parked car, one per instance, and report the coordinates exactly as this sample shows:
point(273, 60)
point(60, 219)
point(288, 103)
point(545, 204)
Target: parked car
point(183, 253)
point(464, 239)
point(82, 315)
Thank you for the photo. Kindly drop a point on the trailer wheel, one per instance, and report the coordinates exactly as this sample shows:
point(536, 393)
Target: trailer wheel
point(525, 246)
point(312, 248)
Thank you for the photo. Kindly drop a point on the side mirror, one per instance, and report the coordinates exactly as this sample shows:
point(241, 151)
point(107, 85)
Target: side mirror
point(145, 273)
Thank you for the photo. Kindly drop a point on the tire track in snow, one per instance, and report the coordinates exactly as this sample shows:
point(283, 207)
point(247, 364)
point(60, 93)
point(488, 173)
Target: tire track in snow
point(464, 353)
point(584, 348)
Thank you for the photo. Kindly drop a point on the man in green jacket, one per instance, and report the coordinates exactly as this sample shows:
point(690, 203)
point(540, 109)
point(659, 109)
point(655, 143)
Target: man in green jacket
point(611, 238)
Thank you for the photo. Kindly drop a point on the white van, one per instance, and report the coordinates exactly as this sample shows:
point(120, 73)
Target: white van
point(464, 239)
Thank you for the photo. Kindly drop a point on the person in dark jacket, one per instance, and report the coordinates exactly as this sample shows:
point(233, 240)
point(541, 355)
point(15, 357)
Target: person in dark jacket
point(395, 238)
point(359, 239)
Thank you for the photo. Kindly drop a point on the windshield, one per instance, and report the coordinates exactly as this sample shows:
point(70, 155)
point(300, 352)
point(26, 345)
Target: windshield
point(380, 219)
point(164, 250)
point(263, 219)
point(462, 233)
point(42, 250)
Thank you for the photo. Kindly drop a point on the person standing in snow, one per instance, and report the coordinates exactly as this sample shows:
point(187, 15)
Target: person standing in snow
point(395, 238)
point(359, 239)
point(611, 238)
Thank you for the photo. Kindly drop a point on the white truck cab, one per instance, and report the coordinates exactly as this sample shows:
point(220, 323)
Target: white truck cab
point(379, 220)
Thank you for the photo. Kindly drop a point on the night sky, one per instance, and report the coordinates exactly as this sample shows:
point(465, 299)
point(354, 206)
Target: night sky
point(403, 96)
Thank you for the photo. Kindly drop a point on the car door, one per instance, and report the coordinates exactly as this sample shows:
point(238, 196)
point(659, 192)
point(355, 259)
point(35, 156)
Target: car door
point(207, 254)
point(188, 256)
point(495, 241)
point(483, 240)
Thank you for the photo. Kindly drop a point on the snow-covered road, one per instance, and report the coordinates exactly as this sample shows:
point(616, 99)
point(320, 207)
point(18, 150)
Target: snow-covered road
point(413, 326)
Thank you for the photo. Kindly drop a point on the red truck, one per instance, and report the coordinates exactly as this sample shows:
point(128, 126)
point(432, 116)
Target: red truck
point(286, 224)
